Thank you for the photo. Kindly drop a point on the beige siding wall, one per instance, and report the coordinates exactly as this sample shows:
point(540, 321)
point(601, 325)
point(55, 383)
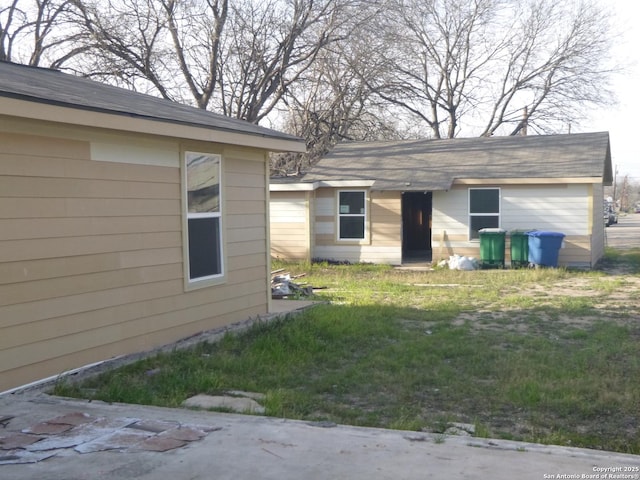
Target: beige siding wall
point(383, 243)
point(386, 219)
point(91, 259)
point(289, 224)
point(560, 208)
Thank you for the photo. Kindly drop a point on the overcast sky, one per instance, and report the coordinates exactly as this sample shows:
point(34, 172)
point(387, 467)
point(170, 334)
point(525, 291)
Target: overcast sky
point(621, 120)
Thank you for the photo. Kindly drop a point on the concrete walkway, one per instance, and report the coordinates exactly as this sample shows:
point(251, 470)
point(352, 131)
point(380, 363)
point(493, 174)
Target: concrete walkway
point(117, 441)
point(283, 307)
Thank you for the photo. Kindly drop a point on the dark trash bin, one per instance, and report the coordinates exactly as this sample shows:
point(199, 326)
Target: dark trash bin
point(492, 242)
point(519, 248)
point(544, 247)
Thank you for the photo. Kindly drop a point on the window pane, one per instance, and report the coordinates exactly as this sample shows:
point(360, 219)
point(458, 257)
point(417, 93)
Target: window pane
point(203, 183)
point(352, 203)
point(204, 247)
point(352, 227)
point(481, 221)
point(484, 201)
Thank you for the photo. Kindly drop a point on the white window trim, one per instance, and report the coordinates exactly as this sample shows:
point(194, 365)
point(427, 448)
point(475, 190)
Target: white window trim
point(364, 216)
point(207, 280)
point(499, 214)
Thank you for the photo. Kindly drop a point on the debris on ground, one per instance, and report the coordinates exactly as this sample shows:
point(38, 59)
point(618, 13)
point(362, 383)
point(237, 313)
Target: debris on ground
point(282, 285)
point(458, 262)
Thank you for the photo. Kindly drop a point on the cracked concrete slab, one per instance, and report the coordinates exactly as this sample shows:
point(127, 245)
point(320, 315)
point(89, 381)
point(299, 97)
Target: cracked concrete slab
point(161, 444)
point(73, 418)
point(250, 446)
point(46, 428)
point(118, 440)
point(17, 440)
point(185, 433)
point(23, 457)
point(152, 427)
point(82, 433)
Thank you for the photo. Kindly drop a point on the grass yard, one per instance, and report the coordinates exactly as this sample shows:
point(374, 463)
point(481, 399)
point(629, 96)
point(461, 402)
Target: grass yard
point(541, 355)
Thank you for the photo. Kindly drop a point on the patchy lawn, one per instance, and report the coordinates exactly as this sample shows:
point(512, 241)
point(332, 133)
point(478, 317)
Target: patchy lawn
point(542, 355)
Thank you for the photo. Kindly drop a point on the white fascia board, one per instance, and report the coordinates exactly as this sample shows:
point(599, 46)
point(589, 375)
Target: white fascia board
point(346, 183)
point(525, 181)
point(293, 187)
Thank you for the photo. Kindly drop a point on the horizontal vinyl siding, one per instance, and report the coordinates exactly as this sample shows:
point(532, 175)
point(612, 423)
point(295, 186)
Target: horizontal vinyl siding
point(91, 258)
point(125, 343)
point(289, 225)
point(75, 165)
point(386, 219)
point(559, 208)
point(383, 243)
point(168, 326)
point(360, 254)
point(575, 252)
point(244, 199)
point(12, 272)
point(21, 228)
point(552, 208)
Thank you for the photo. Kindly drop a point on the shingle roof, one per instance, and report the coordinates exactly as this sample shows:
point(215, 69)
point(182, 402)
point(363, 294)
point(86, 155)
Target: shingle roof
point(57, 88)
point(435, 164)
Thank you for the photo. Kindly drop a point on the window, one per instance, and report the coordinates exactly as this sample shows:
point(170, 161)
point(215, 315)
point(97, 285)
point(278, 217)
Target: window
point(204, 220)
point(351, 215)
point(484, 210)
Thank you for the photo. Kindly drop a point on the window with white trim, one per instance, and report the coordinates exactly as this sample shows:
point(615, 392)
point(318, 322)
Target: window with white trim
point(352, 212)
point(204, 216)
point(484, 210)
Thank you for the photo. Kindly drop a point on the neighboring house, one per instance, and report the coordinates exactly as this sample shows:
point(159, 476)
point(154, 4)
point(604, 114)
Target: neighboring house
point(126, 221)
point(388, 202)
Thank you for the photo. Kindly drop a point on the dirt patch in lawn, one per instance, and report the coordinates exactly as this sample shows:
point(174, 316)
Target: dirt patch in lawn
point(617, 294)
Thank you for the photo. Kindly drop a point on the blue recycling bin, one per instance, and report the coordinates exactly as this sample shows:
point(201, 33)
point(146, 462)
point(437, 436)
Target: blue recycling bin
point(544, 247)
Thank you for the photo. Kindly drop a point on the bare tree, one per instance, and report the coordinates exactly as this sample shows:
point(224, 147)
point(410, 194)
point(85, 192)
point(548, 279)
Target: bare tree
point(554, 70)
point(39, 32)
point(236, 57)
point(331, 104)
point(270, 44)
point(130, 43)
point(483, 61)
point(330, 101)
point(197, 41)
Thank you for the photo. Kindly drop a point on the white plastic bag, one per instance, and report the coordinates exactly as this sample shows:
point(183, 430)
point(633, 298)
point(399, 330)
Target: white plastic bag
point(457, 262)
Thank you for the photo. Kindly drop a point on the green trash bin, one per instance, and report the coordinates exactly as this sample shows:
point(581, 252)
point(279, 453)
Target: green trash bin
point(492, 242)
point(519, 248)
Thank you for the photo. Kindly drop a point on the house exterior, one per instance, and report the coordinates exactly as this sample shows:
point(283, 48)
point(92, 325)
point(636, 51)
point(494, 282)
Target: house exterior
point(390, 202)
point(126, 222)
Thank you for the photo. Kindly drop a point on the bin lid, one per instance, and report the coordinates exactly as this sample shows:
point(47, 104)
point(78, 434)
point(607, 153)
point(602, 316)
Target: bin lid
point(542, 233)
point(518, 231)
point(492, 230)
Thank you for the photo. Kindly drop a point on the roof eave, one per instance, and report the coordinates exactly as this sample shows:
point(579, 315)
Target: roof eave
point(70, 114)
point(526, 180)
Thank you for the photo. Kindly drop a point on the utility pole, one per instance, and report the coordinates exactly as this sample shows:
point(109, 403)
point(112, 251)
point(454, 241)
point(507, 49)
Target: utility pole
point(625, 193)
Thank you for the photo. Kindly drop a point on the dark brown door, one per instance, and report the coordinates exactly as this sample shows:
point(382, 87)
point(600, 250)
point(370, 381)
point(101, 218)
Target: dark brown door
point(416, 223)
